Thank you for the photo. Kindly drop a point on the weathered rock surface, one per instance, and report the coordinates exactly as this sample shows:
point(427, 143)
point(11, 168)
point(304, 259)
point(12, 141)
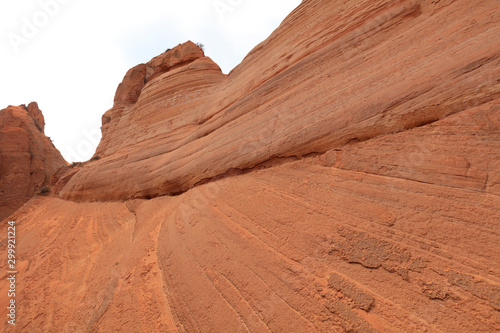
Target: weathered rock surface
point(344, 178)
point(28, 159)
point(300, 247)
point(334, 72)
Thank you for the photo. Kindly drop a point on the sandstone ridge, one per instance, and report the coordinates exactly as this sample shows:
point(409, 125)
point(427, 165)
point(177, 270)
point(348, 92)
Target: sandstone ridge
point(345, 177)
point(178, 121)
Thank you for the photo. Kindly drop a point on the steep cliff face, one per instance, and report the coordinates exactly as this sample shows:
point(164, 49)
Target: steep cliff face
point(28, 159)
point(343, 178)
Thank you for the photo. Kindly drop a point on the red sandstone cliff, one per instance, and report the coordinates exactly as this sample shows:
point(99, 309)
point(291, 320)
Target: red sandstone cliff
point(28, 159)
point(327, 77)
point(343, 178)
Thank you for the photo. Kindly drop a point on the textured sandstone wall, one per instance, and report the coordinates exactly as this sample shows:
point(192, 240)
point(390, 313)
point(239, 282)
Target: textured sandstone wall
point(343, 178)
point(334, 72)
point(28, 159)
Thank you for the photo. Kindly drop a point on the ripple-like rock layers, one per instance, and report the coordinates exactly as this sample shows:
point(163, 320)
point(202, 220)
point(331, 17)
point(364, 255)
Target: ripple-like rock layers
point(344, 178)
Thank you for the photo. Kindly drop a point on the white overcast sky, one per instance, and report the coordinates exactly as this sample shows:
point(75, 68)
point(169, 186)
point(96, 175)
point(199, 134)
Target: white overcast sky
point(73, 61)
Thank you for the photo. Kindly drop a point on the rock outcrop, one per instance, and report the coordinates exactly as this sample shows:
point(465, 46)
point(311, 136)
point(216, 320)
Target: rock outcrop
point(348, 72)
point(28, 159)
point(343, 178)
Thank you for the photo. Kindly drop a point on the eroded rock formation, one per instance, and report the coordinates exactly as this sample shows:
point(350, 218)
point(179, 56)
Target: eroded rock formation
point(366, 72)
point(343, 178)
point(28, 159)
